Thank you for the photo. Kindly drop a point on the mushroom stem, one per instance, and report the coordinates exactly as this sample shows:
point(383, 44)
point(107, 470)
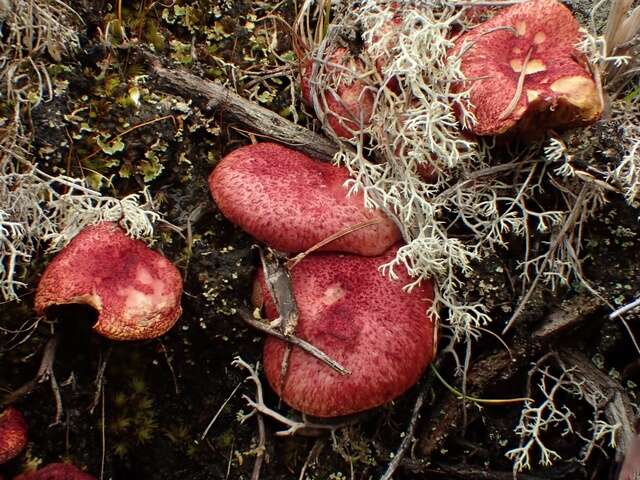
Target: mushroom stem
point(292, 339)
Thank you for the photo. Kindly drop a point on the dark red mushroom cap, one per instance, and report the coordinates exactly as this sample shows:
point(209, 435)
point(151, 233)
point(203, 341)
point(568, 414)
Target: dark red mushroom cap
point(558, 89)
point(349, 102)
point(361, 319)
point(13, 434)
point(56, 471)
point(291, 202)
point(135, 290)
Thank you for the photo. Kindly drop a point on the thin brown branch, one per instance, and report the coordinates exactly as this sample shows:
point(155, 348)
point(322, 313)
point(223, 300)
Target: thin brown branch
point(46, 366)
point(409, 437)
point(298, 342)
point(570, 222)
point(234, 108)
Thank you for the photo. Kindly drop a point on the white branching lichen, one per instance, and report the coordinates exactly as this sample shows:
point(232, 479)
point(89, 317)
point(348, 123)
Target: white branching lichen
point(39, 210)
point(627, 172)
point(551, 414)
point(454, 203)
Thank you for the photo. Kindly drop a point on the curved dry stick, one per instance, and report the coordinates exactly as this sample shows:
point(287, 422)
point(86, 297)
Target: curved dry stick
point(292, 262)
point(298, 342)
point(516, 96)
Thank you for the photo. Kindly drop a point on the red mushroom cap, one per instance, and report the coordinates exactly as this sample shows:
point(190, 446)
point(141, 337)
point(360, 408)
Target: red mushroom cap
point(291, 202)
point(13, 434)
point(558, 89)
point(349, 109)
point(135, 290)
point(56, 471)
point(361, 319)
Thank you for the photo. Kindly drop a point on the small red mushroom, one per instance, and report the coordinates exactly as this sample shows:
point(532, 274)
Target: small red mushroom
point(13, 434)
point(56, 471)
point(525, 72)
point(291, 202)
point(361, 319)
point(343, 96)
point(135, 290)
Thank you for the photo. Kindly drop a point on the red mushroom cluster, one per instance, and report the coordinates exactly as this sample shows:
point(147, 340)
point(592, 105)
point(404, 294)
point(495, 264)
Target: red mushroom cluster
point(348, 309)
point(522, 68)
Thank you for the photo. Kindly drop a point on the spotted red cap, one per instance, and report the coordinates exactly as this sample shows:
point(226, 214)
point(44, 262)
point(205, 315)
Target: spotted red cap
point(291, 202)
point(135, 290)
point(558, 89)
point(13, 434)
point(56, 471)
point(361, 319)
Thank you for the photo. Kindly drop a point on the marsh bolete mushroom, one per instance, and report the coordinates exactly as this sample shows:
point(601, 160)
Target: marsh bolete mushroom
point(361, 319)
point(525, 73)
point(135, 290)
point(56, 471)
point(13, 434)
point(343, 97)
point(291, 202)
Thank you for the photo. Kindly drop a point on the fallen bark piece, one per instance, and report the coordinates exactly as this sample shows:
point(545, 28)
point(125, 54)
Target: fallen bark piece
point(292, 202)
point(135, 290)
point(525, 73)
point(361, 319)
point(13, 434)
point(234, 108)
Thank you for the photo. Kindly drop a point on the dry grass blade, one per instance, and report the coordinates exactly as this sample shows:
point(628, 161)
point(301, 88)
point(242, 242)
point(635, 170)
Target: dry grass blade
point(518, 93)
point(629, 28)
point(346, 231)
point(616, 15)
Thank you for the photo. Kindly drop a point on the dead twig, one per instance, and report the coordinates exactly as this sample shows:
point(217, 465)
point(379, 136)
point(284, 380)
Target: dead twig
point(295, 427)
point(618, 409)
point(292, 262)
point(298, 342)
point(233, 107)
point(45, 372)
point(409, 436)
point(570, 222)
point(99, 381)
point(624, 309)
point(278, 280)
